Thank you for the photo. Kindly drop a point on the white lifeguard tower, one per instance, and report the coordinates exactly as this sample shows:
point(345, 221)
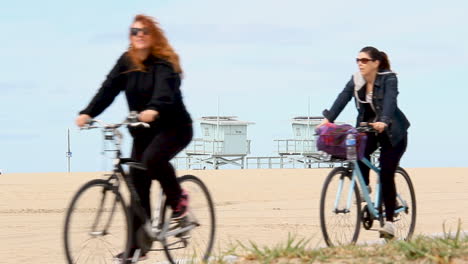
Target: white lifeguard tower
point(303, 142)
point(224, 141)
point(302, 148)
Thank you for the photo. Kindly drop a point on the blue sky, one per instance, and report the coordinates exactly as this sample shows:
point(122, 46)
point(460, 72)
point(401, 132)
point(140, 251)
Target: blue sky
point(262, 59)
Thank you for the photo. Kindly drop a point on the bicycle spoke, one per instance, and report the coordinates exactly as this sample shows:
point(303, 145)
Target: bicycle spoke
point(96, 231)
point(405, 220)
point(197, 245)
point(340, 224)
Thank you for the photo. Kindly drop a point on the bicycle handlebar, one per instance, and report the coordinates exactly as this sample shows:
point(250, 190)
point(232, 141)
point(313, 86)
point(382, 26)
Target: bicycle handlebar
point(366, 127)
point(131, 120)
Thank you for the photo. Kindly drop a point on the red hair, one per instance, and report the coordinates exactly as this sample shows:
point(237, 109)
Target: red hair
point(160, 47)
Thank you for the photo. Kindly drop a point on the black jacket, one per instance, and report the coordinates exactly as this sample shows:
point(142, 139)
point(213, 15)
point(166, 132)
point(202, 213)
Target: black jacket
point(157, 88)
point(384, 103)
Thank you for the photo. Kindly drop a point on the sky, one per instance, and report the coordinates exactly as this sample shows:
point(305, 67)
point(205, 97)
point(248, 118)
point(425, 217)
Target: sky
point(264, 60)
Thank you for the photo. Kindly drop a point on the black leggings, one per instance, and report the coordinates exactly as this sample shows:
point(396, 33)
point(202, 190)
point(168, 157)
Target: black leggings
point(155, 150)
point(389, 159)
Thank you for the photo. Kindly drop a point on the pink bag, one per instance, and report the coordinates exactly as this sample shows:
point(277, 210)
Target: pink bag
point(332, 140)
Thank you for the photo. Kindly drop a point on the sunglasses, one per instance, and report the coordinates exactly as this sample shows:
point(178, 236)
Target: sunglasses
point(363, 60)
point(134, 31)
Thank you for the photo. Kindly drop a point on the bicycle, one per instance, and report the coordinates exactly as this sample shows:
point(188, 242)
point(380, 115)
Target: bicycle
point(98, 225)
point(340, 222)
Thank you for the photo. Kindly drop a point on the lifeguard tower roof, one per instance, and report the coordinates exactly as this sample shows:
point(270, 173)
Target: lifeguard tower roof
point(304, 120)
point(223, 120)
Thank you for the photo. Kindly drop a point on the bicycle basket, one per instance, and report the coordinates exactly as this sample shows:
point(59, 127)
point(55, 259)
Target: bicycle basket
point(332, 140)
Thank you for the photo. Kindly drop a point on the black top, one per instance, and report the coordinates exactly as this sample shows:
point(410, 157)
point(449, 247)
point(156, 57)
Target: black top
point(369, 114)
point(157, 88)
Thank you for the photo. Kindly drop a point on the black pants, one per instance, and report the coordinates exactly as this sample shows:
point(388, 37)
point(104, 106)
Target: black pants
point(389, 159)
point(155, 149)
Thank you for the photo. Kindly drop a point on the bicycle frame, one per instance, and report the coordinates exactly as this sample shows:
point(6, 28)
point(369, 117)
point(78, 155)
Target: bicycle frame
point(377, 198)
point(357, 177)
point(153, 226)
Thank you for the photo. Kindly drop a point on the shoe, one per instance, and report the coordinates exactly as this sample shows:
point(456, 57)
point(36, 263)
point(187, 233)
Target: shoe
point(387, 231)
point(181, 209)
point(131, 256)
point(369, 189)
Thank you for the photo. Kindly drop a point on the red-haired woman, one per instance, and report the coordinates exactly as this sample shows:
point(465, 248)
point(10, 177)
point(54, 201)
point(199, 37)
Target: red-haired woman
point(150, 74)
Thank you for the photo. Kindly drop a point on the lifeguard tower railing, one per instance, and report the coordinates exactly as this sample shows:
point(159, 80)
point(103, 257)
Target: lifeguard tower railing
point(215, 153)
point(201, 146)
point(296, 147)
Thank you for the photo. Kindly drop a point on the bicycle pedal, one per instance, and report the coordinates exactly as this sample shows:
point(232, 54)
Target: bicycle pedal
point(184, 235)
point(177, 221)
point(176, 225)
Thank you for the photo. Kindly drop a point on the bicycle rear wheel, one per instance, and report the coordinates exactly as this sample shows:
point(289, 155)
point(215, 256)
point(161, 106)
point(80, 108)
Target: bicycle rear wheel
point(96, 225)
point(405, 220)
point(340, 210)
point(195, 246)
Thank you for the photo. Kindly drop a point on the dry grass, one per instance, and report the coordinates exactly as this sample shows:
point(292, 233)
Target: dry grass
point(451, 248)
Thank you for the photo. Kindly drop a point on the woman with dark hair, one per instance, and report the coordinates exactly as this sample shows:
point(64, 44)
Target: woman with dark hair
point(375, 89)
point(150, 74)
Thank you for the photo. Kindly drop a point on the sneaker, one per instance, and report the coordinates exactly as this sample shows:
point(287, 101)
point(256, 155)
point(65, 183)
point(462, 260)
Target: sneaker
point(369, 189)
point(387, 231)
point(134, 256)
point(181, 209)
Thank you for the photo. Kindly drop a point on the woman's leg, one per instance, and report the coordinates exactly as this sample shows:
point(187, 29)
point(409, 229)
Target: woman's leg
point(371, 146)
point(163, 147)
point(141, 181)
point(389, 159)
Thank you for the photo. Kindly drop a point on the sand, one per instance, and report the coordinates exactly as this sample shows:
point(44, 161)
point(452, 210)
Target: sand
point(261, 205)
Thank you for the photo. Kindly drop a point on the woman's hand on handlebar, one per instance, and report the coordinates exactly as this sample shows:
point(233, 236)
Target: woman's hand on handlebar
point(148, 116)
point(324, 122)
point(82, 120)
point(379, 126)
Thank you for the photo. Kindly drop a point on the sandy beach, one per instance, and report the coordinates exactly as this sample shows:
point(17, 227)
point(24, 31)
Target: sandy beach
point(261, 205)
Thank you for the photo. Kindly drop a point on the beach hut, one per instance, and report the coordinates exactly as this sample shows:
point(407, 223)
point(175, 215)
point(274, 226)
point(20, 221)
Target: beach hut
point(223, 141)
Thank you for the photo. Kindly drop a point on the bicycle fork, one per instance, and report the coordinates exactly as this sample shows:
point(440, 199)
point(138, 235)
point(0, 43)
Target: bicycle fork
point(94, 228)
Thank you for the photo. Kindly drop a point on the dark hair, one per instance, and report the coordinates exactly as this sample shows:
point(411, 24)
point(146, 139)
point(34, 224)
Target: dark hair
point(381, 56)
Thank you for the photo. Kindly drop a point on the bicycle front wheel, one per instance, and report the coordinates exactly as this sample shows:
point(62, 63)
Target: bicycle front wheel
point(405, 215)
point(340, 209)
point(96, 225)
point(194, 246)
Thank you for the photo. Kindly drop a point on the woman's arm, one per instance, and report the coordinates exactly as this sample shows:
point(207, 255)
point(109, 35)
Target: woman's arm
point(110, 88)
point(340, 102)
point(390, 99)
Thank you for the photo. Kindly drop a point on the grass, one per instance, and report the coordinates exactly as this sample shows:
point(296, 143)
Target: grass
point(422, 249)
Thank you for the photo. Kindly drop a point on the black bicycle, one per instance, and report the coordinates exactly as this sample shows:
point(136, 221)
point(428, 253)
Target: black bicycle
point(98, 225)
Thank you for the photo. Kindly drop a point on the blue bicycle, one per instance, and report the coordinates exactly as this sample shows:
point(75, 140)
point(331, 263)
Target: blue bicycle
point(341, 213)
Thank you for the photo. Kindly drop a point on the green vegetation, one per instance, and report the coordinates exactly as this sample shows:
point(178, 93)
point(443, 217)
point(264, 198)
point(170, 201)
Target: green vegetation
point(450, 248)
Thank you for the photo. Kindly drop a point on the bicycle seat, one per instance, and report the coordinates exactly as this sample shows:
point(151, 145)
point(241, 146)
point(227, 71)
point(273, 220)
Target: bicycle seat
point(133, 163)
